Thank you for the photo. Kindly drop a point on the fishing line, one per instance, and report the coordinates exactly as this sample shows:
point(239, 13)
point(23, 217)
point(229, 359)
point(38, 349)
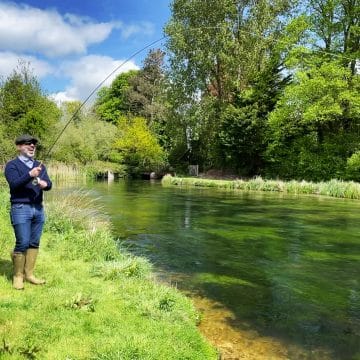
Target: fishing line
point(132, 56)
point(107, 77)
point(96, 88)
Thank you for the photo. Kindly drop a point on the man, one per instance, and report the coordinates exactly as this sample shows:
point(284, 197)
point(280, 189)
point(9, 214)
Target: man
point(27, 180)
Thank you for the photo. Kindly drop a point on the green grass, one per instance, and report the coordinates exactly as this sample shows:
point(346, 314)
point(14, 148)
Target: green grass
point(334, 188)
point(99, 301)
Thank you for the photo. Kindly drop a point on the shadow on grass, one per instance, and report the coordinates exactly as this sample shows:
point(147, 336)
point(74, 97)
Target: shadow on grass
point(6, 268)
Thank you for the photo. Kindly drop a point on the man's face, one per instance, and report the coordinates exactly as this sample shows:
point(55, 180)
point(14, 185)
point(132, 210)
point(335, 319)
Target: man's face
point(27, 149)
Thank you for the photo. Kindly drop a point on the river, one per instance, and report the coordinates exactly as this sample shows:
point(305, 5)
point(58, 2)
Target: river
point(274, 276)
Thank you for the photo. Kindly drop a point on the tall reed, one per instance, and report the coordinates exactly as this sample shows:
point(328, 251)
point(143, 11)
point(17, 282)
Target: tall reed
point(59, 171)
point(334, 188)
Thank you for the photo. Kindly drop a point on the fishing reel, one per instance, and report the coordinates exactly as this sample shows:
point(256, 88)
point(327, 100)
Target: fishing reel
point(36, 181)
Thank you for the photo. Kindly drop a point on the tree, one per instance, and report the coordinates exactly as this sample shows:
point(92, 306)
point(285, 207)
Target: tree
point(73, 110)
point(336, 23)
point(138, 147)
point(147, 94)
point(112, 102)
point(85, 141)
point(315, 126)
point(217, 50)
point(244, 124)
point(147, 87)
point(25, 109)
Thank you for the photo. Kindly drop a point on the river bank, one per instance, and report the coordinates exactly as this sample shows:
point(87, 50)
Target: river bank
point(98, 303)
point(333, 188)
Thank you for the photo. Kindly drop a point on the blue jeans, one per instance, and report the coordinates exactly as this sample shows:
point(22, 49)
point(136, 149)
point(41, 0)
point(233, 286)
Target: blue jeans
point(27, 221)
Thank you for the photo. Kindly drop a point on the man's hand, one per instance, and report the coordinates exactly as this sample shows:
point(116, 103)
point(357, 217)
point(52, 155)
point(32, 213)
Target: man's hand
point(35, 172)
point(42, 184)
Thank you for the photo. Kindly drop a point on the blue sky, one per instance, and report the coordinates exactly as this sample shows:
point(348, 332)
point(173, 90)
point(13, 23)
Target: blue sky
point(73, 45)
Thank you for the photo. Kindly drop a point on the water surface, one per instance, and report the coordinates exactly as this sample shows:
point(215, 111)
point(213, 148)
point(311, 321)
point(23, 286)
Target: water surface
point(278, 277)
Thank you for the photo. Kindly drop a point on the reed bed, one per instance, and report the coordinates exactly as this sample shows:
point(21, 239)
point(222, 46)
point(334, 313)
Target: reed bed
point(334, 188)
point(62, 172)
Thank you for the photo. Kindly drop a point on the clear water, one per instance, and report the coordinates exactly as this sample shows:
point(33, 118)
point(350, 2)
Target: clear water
point(286, 268)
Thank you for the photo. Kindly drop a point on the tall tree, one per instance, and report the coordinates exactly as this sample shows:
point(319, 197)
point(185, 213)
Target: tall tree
point(315, 126)
point(24, 108)
point(138, 148)
point(146, 95)
point(112, 102)
point(216, 51)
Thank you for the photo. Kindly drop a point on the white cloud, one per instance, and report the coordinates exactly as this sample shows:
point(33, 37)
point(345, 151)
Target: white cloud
point(28, 29)
point(144, 27)
point(31, 34)
point(60, 97)
point(9, 61)
point(88, 72)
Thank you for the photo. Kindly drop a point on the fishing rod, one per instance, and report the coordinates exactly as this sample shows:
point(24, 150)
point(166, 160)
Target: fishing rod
point(103, 81)
point(96, 88)
point(128, 59)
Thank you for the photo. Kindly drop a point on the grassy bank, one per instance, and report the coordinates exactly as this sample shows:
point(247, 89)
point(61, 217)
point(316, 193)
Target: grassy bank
point(98, 303)
point(335, 188)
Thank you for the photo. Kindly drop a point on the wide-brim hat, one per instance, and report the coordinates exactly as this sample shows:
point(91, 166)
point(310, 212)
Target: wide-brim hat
point(22, 139)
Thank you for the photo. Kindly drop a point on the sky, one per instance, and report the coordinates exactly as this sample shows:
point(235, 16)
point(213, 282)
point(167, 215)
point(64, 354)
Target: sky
point(73, 45)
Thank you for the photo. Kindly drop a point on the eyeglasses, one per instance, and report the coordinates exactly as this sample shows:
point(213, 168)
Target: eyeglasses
point(29, 143)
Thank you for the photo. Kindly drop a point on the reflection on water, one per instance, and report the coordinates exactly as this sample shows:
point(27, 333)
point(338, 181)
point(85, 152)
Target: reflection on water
point(276, 276)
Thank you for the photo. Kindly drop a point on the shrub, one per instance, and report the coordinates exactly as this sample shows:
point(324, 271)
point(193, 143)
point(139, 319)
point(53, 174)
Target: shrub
point(353, 167)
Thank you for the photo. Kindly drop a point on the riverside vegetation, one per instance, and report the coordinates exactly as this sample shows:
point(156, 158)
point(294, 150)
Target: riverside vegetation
point(334, 188)
point(267, 88)
point(99, 301)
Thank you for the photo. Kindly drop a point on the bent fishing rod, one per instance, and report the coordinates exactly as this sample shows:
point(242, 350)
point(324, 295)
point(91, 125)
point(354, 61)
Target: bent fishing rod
point(112, 73)
point(103, 81)
point(37, 179)
point(96, 89)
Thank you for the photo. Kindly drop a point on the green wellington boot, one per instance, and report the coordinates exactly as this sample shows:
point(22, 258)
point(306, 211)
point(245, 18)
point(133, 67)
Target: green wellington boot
point(31, 255)
point(18, 259)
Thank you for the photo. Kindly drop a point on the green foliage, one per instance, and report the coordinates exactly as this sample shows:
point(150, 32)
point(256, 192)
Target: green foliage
point(135, 95)
point(73, 110)
point(353, 166)
point(335, 188)
point(112, 102)
point(243, 56)
point(79, 231)
point(220, 52)
point(145, 95)
point(25, 109)
point(167, 304)
point(86, 141)
point(138, 147)
point(100, 168)
point(240, 137)
point(315, 124)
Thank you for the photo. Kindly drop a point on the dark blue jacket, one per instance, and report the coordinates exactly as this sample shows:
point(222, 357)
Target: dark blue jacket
point(20, 182)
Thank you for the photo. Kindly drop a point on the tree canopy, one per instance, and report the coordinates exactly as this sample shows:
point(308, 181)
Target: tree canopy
point(263, 87)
